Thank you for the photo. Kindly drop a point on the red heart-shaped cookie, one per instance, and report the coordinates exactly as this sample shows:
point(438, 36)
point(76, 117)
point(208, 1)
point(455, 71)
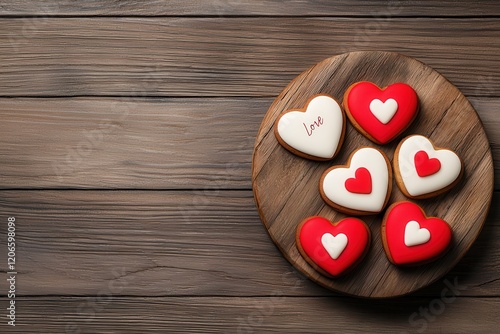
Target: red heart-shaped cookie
point(381, 114)
point(409, 237)
point(332, 248)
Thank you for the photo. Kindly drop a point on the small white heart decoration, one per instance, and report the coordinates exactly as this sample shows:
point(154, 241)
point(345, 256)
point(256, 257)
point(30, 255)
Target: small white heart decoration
point(384, 111)
point(334, 245)
point(414, 235)
point(450, 170)
point(317, 131)
point(333, 182)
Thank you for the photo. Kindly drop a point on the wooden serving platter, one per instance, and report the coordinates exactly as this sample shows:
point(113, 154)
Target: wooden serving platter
point(286, 186)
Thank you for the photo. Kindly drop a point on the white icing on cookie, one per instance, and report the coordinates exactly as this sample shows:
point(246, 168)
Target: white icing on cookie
point(449, 171)
point(315, 132)
point(334, 245)
point(414, 235)
point(384, 111)
point(334, 182)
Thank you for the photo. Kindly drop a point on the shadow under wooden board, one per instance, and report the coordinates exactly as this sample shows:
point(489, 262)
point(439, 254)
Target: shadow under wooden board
point(286, 187)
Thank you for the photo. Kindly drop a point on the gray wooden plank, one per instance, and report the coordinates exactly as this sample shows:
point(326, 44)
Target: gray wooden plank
point(120, 143)
point(177, 243)
point(226, 56)
point(255, 7)
point(271, 314)
point(116, 143)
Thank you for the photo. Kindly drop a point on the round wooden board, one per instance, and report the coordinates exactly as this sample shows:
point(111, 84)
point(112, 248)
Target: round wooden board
point(286, 186)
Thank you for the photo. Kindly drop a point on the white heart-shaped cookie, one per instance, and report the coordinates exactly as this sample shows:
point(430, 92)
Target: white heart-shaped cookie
point(363, 187)
point(314, 133)
point(424, 171)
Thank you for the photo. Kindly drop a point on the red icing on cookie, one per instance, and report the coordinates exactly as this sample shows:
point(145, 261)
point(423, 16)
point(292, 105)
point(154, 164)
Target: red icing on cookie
point(333, 247)
point(410, 237)
point(361, 184)
point(381, 113)
point(426, 166)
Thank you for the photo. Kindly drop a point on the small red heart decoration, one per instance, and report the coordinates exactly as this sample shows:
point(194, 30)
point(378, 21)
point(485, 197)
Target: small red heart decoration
point(332, 248)
point(381, 114)
point(426, 166)
point(361, 183)
point(409, 237)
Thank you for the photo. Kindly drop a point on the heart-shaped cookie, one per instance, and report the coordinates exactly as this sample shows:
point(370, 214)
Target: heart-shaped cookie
point(332, 248)
point(409, 237)
point(362, 186)
point(381, 114)
point(422, 170)
point(315, 132)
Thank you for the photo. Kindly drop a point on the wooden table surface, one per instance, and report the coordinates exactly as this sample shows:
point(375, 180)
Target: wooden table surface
point(126, 139)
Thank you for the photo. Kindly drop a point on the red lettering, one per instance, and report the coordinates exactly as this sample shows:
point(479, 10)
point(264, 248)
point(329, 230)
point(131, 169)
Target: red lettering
point(316, 124)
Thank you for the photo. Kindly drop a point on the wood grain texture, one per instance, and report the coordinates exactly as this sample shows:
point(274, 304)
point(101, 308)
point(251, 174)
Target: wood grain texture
point(120, 143)
point(128, 143)
point(257, 7)
point(272, 314)
point(177, 243)
point(227, 56)
point(286, 186)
